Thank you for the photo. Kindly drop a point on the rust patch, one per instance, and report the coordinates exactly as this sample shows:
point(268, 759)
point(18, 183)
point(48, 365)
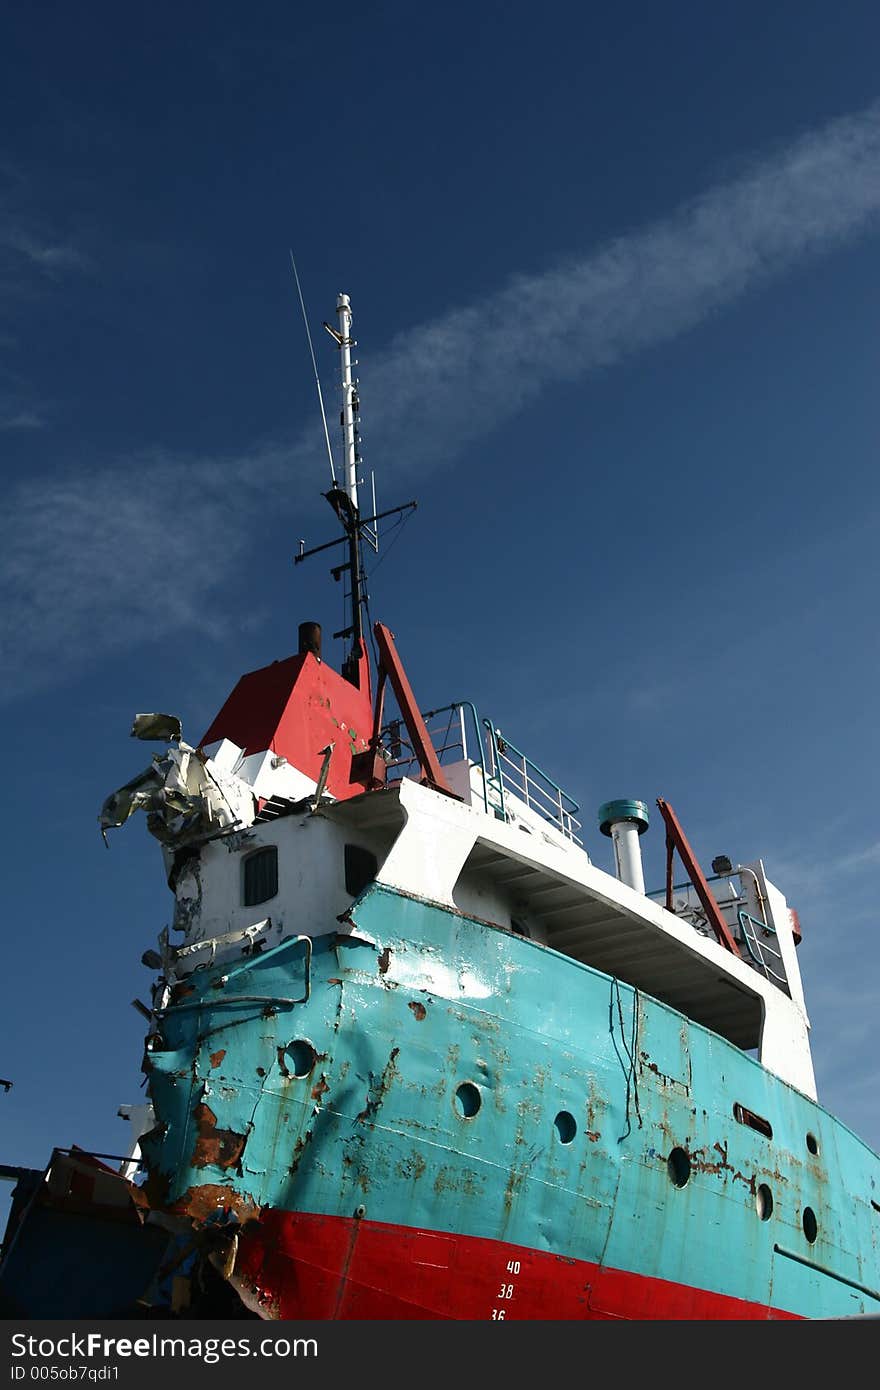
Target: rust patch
point(201, 1203)
point(299, 1149)
point(418, 1010)
point(376, 1094)
point(221, 1148)
point(282, 1065)
point(334, 980)
point(320, 1088)
point(703, 1164)
point(217, 1057)
point(412, 1167)
point(454, 1180)
point(384, 960)
point(593, 1135)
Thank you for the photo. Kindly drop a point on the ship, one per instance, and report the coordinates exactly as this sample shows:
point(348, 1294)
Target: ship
point(411, 1054)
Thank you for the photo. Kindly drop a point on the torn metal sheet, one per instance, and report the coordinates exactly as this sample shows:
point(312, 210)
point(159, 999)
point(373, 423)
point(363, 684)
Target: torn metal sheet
point(164, 727)
point(185, 797)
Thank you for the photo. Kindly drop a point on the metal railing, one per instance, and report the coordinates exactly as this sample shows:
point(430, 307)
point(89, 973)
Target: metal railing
point(759, 952)
point(456, 733)
point(449, 736)
point(510, 770)
point(758, 949)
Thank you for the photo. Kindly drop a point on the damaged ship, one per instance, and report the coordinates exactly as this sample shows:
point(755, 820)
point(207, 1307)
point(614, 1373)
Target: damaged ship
point(411, 1054)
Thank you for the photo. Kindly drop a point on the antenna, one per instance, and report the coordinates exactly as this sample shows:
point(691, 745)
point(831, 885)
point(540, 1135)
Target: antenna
point(350, 403)
point(343, 498)
point(315, 367)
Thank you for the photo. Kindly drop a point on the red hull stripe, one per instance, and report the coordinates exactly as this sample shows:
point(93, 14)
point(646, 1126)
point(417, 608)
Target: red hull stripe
point(295, 1265)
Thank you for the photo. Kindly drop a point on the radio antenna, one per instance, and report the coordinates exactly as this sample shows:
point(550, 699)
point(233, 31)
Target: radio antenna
point(315, 368)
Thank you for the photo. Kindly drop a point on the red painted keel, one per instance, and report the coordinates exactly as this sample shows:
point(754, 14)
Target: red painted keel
point(295, 1265)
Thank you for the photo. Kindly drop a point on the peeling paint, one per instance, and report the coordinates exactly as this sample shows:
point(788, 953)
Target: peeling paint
point(218, 1148)
point(377, 1090)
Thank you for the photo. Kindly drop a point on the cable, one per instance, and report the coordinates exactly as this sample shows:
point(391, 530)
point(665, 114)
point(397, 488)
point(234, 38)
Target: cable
point(315, 366)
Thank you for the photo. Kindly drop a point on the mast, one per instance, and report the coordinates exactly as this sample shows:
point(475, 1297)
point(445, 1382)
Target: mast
point(351, 457)
point(343, 498)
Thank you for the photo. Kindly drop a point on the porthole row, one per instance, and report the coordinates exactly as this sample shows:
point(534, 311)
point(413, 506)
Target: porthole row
point(299, 1058)
point(678, 1167)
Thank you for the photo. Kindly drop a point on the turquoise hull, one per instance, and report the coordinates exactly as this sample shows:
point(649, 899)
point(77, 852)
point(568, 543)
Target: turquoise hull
point(428, 1072)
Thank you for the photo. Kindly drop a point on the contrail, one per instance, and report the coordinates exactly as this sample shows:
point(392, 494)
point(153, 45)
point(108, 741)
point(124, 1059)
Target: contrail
point(108, 557)
point(476, 366)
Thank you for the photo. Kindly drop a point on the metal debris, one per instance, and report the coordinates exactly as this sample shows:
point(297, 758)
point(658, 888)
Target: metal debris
point(185, 796)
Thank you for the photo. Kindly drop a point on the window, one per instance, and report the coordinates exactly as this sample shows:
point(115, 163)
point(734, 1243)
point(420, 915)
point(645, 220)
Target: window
point(361, 868)
point(748, 1117)
point(260, 876)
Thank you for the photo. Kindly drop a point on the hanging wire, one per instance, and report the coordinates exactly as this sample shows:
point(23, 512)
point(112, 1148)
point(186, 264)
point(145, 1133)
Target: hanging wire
point(396, 527)
point(315, 366)
point(394, 531)
point(374, 648)
point(629, 1071)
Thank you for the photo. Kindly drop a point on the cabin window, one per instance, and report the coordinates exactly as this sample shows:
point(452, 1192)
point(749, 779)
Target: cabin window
point(748, 1117)
point(361, 867)
point(260, 876)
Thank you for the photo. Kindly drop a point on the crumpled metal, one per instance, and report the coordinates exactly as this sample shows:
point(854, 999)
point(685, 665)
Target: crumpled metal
point(185, 798)
point(164, 727)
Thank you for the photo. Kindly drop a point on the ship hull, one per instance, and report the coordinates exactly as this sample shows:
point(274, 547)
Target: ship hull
point(424, 1082)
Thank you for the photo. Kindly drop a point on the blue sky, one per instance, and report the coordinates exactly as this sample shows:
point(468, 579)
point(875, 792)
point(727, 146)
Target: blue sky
point(615, 282)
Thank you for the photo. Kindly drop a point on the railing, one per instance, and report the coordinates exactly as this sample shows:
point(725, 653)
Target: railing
point(455, 731)
point(757, 949)
point(510, 770)
point(759, 952)
point(449, 736)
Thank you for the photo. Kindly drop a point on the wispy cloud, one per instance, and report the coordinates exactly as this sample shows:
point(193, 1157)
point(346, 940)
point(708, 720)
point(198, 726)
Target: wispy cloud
point(37, 251)
point(473, 368)
point(22, 420)
point(34, 260)
point(31, 247)
point(94, 565)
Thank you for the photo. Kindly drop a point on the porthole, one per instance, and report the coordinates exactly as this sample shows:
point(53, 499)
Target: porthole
point(764, 1202)
point(468, 1100)
point(299, 1057)
point(565, 1125)
point(812, 1144)
point(678, 1166)
point(811, 1225)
